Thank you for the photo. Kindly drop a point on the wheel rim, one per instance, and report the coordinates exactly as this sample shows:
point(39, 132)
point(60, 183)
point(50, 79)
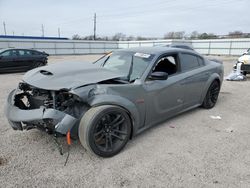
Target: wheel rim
point(111, 132)
point(214, 92)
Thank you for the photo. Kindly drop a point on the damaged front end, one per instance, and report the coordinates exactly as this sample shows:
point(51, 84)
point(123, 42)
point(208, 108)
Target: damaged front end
point(29, 107)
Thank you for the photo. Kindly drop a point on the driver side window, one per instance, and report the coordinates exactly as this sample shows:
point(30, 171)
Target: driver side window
point(167, 64)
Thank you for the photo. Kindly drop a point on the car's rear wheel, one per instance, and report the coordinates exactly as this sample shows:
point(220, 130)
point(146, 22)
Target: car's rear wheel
point(105, 130)
point(212, 95)
point(38, 64)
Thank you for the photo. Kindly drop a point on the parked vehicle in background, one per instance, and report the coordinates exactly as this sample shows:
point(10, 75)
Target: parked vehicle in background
point(15, 60)
point(117, 97)
point(245, 62)
point(245, 58)
point(248, 50)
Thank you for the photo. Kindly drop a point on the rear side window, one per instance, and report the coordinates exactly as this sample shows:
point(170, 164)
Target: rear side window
point(36, 53)
point(200, 60)
point(189, 62)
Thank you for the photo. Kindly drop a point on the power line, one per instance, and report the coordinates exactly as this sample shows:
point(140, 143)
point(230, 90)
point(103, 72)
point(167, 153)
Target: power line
point(42, 31)
point(94, 26)
point(4, 27)
point(155, 9)
point(59, 32)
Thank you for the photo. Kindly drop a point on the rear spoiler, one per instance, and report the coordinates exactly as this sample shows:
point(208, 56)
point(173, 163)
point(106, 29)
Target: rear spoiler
point(45, 53)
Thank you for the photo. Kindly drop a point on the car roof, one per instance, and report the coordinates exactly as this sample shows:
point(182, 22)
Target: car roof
point(4, 49)
point(185, 46)
point(158, 50)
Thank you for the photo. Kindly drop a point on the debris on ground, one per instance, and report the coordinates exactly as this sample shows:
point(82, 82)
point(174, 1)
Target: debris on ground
point(216, 117)
point(229, 130)
point(2, 161)
point(236, 74)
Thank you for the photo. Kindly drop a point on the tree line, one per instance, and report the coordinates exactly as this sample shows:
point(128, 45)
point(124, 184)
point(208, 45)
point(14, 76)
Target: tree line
point(168, 35)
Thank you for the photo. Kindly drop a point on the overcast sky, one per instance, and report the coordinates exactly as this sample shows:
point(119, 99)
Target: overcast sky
point(151, 18)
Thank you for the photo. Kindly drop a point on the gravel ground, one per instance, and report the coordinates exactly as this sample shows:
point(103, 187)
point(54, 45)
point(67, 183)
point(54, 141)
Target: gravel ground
point(190, 150)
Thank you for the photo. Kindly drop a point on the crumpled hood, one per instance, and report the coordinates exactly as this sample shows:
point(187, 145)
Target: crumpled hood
point(67, 75)
point(244, 58)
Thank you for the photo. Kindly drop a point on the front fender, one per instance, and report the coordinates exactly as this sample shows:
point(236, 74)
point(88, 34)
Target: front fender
point(126, 104)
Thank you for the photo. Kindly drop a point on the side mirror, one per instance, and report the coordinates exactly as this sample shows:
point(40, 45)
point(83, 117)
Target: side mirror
point(158, 76)
point(244, 53)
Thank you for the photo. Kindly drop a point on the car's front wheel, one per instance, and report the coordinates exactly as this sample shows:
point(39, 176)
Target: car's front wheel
point(105, 130)
point(212, 95)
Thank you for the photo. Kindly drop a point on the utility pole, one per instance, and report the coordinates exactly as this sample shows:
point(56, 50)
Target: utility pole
point(4, 27)
point(59, 33)
point(42, 31)
point(94, 26)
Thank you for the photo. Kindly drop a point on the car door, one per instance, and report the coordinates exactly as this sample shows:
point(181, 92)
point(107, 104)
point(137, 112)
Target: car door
point(24, 59)
point(8, 60)
point(164, 98)
point(194, 76)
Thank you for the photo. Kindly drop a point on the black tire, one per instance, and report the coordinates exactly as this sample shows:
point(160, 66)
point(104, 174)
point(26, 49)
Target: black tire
point(212, 95)
point(39, 64)
point(105, 130)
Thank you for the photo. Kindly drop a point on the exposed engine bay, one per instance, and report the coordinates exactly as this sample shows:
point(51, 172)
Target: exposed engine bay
point(30, 98)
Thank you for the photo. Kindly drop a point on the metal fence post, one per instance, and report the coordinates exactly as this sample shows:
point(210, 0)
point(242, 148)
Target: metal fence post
point(34, 45)
point(209, 47)
point(89, 47)
point(55, 48)
point(104, 47)
point(74, 48)
point(230, 48)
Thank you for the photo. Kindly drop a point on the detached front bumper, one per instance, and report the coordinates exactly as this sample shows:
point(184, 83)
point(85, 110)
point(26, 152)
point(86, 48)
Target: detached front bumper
point(19, 119)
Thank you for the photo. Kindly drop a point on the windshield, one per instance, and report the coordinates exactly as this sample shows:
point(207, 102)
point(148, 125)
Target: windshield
point(130, 64)
point(2, 50)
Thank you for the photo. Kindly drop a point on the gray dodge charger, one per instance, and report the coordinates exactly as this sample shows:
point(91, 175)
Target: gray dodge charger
point(107, 102)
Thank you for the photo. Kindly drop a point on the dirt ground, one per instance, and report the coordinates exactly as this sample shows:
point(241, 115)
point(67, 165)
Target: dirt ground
point(190, 150)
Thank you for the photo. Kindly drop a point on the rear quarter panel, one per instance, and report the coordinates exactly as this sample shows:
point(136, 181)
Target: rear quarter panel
point(216, 72)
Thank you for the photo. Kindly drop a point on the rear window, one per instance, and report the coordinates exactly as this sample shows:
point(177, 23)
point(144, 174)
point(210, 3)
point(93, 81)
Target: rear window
point(189, 62)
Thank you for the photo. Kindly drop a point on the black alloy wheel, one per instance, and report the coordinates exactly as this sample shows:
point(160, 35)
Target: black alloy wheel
point(105, 130)
point(212, 95)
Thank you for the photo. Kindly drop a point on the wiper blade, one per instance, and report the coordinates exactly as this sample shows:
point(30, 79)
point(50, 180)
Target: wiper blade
point(130, 68)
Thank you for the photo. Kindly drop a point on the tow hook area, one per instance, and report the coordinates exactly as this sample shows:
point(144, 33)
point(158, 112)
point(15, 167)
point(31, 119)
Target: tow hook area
point(60, 146)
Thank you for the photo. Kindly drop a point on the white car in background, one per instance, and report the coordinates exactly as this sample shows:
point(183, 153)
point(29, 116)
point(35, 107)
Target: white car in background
point(244, 60)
